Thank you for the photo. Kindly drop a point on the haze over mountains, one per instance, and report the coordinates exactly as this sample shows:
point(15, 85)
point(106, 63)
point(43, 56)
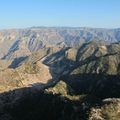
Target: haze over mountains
point(60, 73)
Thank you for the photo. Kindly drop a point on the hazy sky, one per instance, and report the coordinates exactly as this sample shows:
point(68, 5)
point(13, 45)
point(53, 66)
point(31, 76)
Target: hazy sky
point(75, 13)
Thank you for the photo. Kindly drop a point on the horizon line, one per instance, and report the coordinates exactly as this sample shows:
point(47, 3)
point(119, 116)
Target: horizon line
point(32, 27)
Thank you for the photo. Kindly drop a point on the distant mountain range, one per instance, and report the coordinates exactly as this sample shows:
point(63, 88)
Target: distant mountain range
point(25, 41)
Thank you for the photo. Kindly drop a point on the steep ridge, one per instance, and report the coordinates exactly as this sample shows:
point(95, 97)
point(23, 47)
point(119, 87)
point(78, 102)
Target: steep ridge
point(68, 62)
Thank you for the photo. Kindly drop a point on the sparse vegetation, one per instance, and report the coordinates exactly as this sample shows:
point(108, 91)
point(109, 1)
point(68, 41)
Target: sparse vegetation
point(62, 83)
